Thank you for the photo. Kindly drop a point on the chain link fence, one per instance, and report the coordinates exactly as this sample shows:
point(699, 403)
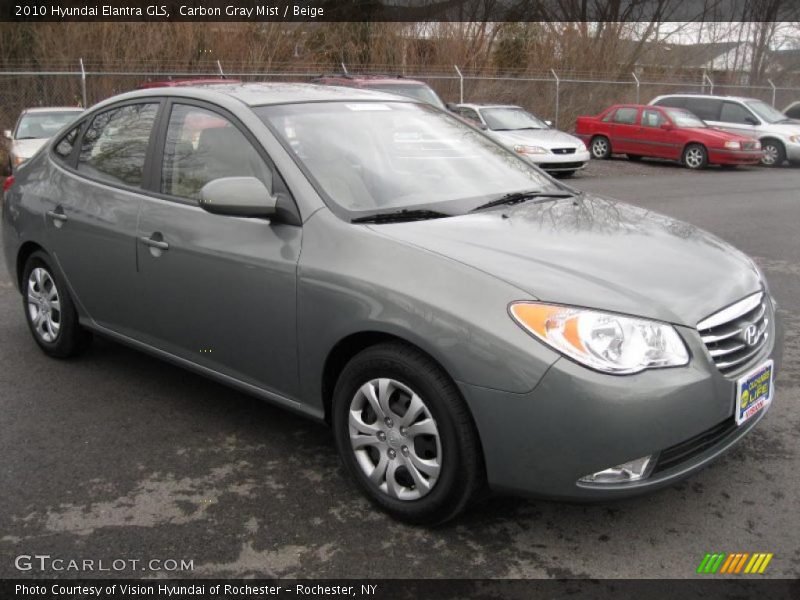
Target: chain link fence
point(556, 96)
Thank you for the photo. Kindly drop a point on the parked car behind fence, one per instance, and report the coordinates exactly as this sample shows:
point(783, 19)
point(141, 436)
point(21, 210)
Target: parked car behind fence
point(672, 133)
point(778, 134)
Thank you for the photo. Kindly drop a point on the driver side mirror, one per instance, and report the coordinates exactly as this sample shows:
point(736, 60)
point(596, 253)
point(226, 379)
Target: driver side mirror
point(451, 106)
point(238, 197)
point(751, 120)
point(548, 123)
point(7, 133)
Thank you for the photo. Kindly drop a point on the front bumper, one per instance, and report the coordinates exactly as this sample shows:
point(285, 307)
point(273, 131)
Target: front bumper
point(734, 157)
point(560, 162)
point(578, 421)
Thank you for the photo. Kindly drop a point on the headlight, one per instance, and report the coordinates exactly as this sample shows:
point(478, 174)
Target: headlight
point(603, 341)
point(795, 139)
point(733, 145)
point(757, 145)
point(521, 149)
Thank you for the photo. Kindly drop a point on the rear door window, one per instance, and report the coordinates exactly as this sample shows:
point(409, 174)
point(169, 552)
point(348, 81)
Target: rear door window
point(672, 101)
point(114, 146)
point(625, 116)
point(705, 108)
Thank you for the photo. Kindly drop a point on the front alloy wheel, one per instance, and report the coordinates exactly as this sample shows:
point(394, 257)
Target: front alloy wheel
point(774, 154)
point(695, 157)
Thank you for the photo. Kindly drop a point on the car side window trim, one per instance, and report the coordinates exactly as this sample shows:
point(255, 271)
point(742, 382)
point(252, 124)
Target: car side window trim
point(153, 176)
point(70, 161)
point(72, 164)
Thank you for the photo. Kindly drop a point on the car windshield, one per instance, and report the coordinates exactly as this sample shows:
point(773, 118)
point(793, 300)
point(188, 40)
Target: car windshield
point(683, 118)
point(508, 119)
point(766, 112)
point(370, 157)
point(418, 92)
point(41, 125)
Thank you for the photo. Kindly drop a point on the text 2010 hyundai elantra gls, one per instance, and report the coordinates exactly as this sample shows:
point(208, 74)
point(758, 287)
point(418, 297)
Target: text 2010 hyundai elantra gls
point(461, 319)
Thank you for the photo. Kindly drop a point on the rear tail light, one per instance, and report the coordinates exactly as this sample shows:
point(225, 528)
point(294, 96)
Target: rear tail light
point(8, 183)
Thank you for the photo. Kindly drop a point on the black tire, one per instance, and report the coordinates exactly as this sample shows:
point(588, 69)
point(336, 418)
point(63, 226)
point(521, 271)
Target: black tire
point(70, 338)
point(600, 147)
point(461, 473)
point(634, 157)
point(564, 174)
point(695, 157)
point(774, 153)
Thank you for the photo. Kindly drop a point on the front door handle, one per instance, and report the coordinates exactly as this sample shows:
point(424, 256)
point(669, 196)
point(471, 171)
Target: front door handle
point(154, 243)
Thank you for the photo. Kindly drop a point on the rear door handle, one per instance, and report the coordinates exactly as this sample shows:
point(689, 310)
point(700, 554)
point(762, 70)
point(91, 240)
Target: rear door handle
point(57, 215)
point(149, 241)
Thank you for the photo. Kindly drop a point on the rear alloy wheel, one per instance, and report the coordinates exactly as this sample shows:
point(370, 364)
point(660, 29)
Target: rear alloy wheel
point(405, 435)
point(774, 153)
point(601, 147)
point(49, 310)
point(695, 157)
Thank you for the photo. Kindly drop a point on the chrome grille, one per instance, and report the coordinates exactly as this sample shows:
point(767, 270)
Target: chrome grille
point(736, 335)
point(563, 150)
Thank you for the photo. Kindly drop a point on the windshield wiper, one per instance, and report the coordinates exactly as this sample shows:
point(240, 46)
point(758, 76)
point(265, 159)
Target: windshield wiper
point(398, 216)
point(517, 197)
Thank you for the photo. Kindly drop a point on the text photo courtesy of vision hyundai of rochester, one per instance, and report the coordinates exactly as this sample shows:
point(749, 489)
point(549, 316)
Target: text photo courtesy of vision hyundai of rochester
point(312, 211)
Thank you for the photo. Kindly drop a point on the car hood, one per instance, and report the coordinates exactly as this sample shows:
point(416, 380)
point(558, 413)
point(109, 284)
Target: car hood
point(594, 252)
point(718, 135)
point(547, 138)
point(27, 148)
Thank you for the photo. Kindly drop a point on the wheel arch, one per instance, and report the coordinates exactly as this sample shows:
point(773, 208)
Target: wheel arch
point(24, 252)
point(346, 348)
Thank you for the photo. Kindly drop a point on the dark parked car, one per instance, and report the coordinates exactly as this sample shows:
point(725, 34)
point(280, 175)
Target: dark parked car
point(672, 133)
point(459, 318)
point(385, 83)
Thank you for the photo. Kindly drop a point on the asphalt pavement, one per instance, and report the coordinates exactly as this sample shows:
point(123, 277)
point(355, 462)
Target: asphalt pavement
point(118, 456)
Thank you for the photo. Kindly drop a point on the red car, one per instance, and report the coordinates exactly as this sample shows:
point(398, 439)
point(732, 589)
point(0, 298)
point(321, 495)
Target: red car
point(184, 82)
point(661, 132)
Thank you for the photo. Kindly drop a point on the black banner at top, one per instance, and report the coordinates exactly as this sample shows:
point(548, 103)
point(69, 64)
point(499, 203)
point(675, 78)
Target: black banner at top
point(398, 10)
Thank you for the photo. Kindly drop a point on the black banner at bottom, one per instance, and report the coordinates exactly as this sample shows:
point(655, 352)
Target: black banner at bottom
point(391, 589)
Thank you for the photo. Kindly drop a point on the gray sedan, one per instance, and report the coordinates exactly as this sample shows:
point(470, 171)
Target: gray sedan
point(461, 320)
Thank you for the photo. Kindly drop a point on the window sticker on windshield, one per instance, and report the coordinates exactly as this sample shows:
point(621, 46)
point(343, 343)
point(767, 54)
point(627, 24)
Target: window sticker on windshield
point(368, 106)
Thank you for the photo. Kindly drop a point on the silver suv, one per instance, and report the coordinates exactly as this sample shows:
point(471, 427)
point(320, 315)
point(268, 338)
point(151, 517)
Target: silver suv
point(779, 135)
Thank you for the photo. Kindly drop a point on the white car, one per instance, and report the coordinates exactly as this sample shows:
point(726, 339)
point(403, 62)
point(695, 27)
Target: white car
point(527, 135)
point(34, 127)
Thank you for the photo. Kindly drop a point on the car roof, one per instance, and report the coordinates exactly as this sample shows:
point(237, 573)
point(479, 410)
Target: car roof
point(185, 82)
point(367, 79)
point(262, 94)
point(709, 96)
point(479, 105)
point(41, 109)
